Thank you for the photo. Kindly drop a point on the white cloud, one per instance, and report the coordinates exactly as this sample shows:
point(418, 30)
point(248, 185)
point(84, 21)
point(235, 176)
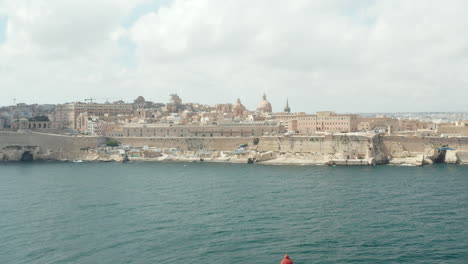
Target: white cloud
point(344, 55)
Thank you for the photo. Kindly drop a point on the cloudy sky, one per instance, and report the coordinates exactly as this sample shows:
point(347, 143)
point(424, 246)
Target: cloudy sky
point(342, 55)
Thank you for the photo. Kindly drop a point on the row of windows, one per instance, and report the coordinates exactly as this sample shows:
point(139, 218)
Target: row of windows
point(324, 118)
point(325, 123)
point(244, 134)
point(188, 130)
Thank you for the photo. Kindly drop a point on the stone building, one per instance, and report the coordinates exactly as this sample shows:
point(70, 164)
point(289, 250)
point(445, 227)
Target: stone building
point(459, 131)
point(264, 106)
point(69, 113)
point(140, 102)
point(461, 123)
point(321, 122)
point(413, 125)
point(381, 123)
point(3, 123)
point(223, 108)
point(220, 130)
point(175, 104)
point(238, 109)
point(24, 123)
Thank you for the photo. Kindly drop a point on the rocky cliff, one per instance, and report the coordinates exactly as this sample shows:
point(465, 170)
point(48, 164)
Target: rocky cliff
point(329, 149)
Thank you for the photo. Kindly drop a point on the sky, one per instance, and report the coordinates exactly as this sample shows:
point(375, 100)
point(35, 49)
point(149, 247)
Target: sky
point(340, 55)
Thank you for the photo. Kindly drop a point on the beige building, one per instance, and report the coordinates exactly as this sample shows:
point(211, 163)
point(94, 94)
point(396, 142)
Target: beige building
point(453, 131)
point(69, 113)
point(461, 123)
point(459, 128)
point(24, 123)
point(221, 130)
point(321, 122)
point(413, 125)
point(239, 109)
point(378, 123)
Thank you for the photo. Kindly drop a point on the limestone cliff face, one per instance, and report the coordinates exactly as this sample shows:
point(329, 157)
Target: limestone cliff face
point(18, 153)
point(424, 150)
point(456, 157)
point(323, 149)
point(330, 149)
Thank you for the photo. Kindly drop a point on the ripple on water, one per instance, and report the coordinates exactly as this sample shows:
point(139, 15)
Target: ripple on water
point(228, 213)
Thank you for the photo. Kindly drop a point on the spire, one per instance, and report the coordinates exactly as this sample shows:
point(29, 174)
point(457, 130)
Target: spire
point(287, 109)
point(264, 96)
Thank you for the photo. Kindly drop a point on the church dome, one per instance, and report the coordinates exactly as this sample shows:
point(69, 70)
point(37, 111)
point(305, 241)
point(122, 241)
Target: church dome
point(264, 106)
point(239, 108)
point(139, 102)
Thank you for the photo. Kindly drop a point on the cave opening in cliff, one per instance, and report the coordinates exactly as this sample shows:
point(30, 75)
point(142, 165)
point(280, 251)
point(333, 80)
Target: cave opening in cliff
point(27, 156)
point(441, 157)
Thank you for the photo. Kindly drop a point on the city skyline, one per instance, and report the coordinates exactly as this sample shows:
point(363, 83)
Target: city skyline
point(276, 108)
point(366, 56)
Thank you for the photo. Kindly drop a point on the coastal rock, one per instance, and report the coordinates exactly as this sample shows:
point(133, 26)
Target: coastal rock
point(451, 157)
point(270, 155)
point(412, 161)
point(151, 154)
point(19, 153)
point(379, 158)
point(462, 156)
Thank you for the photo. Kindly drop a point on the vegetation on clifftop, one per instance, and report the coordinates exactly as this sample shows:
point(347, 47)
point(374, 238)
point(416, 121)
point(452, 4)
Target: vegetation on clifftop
point(39, 119)
point(112, 142)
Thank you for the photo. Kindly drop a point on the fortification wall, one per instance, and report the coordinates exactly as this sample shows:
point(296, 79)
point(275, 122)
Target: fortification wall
point(399, 146)
point(188, 144)
point(318, 148)
point(454, 130)
point(48, 141)
point(353, 145)
point(49, 146)
point(51, 142)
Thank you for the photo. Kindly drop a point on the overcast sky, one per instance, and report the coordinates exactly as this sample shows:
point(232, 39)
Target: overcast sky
point(342, 55)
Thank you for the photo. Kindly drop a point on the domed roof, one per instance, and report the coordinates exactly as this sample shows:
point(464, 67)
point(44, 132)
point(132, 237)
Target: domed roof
point(238, 108)
point(139, 100)
point(264, 105)
point(239, 104)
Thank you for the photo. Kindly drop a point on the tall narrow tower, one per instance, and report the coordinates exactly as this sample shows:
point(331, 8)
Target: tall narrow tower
point(287, 109)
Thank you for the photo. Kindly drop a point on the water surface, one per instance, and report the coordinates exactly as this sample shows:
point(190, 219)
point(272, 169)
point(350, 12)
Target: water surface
point(231, 213)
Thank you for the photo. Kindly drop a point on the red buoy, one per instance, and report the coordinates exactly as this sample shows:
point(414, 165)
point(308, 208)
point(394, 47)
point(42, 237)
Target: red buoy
point(286, 260)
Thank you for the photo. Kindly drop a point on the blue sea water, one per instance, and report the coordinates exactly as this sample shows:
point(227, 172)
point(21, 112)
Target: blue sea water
point(54, 212)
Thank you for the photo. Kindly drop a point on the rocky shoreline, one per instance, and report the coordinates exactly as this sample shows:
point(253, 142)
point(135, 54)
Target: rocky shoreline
point(332, 150)
point(30, 153)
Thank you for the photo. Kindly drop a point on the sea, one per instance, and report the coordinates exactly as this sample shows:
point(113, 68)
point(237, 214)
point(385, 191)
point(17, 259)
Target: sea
point(58, 212)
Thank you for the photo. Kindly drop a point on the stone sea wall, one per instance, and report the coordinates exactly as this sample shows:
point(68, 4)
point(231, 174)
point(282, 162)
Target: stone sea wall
point(47, 146)
point(188, 144)
point(424, 150)
point(329, 149)
point(321, 149)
